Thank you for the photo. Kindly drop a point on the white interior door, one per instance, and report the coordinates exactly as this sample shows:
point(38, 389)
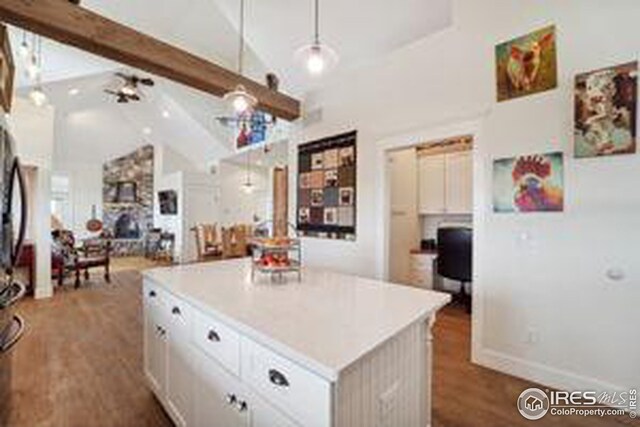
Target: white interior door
point(404, 230)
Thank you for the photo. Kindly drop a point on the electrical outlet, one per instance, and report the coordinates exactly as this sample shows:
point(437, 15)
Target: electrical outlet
point(533, 336)
point(388, 402)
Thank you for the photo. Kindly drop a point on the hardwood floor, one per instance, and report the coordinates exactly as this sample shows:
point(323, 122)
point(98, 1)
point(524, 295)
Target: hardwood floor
point(80, 362)
point(80, 365)
point(467, 395)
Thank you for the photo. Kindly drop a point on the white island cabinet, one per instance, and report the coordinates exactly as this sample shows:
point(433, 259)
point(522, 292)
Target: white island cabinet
point(329, 351)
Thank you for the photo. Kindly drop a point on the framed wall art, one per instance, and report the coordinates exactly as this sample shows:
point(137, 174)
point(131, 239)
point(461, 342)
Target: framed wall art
point(527, 64)
point(327, 187)
point(531, 183)
point(606, 104)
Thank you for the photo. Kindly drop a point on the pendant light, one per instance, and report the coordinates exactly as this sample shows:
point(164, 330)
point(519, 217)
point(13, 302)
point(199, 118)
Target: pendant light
point(241, 101)
point(37, 95)
point(33, 68)
point(317, 57)
point(248, 186)
point(23, 49)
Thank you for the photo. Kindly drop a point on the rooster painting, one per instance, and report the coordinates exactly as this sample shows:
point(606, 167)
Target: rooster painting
point(527, 64)
point(531, 183)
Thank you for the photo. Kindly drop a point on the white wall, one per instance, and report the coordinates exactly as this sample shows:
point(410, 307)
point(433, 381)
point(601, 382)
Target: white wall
point(196, 204)
point(32, 128)
point(237, 206)
point(539, 276)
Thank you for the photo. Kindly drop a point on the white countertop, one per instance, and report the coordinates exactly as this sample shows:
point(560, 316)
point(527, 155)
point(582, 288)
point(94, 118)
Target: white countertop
point(326, 322)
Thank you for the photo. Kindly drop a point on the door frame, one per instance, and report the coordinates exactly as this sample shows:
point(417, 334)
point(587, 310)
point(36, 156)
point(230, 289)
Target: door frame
point(464, 126)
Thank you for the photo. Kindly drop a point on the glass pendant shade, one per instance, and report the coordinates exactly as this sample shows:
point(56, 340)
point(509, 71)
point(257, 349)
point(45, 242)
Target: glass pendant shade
point(32, 69)
point(248, 187)
point(38, 97)
point(317, 58)
point(241, 100)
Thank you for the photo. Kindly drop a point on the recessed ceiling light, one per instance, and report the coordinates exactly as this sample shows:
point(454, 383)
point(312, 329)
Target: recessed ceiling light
point(166, 114)
point(74, 91)
point(146, 131)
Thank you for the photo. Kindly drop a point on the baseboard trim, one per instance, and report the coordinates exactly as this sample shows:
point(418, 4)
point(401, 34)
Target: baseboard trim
point(539, 373)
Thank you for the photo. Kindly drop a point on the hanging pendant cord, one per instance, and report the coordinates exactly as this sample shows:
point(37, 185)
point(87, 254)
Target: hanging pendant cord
point(317, 22)
point(241, 52)
point(248, 167)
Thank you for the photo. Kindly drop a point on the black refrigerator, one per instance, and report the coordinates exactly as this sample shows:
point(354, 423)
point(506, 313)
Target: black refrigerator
point(13, 208)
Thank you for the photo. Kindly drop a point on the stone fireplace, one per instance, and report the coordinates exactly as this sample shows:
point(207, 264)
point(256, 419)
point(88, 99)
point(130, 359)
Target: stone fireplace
point(127, 226)
point(128, 200)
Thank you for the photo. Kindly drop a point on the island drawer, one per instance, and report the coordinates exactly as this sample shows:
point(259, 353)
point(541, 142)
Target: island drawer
point(153, 296)
point(301, 394)
point(218, 340)
point(179, 314)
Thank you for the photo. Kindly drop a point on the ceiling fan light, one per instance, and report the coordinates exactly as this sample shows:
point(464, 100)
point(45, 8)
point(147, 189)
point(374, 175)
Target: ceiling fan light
point(128, 90)
point(241, 100)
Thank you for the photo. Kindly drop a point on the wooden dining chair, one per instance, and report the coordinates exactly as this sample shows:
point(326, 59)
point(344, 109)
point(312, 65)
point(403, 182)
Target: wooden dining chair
point(240, 241)
point(226, 234)
point(207, 244)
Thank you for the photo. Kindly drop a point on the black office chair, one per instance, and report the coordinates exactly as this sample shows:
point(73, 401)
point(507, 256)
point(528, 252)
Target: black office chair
point(454, 259)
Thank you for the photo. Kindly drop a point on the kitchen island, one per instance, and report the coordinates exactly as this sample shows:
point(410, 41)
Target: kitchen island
point(332, 350)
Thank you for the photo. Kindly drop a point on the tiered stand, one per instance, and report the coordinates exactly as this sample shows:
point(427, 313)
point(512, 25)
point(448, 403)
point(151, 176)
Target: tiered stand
point(275, 256)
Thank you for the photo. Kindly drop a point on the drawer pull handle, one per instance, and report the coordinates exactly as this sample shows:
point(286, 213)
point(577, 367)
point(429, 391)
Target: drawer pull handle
point(176, 311)
point(278, 378)
point(213, 336)
point(152, 294)
point(231, 399)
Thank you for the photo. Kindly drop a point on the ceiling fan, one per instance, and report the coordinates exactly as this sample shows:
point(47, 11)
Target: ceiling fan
point(130, 91)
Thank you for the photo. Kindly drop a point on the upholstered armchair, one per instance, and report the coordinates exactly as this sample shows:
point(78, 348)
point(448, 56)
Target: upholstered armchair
point(94, 252)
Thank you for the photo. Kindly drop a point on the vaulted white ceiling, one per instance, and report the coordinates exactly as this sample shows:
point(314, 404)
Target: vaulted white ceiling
point(360, 31)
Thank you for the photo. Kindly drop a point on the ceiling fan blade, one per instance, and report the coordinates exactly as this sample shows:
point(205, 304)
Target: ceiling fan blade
point(123, 76)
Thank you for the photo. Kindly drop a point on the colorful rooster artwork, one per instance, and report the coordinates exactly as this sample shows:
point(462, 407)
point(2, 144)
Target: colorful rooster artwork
point(527, 65)
point(532, 183)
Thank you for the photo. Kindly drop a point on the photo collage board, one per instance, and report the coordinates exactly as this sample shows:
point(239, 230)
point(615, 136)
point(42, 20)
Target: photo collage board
point(327, 187)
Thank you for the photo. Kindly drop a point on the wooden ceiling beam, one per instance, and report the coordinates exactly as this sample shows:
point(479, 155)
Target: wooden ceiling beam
point(67, 23)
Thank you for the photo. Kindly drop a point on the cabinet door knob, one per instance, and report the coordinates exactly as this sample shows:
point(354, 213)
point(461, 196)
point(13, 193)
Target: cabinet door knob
point(152, 294)
point(278, 378)
point(213, 336)
point(176, 310)
point(231, 399)
point(242, 406)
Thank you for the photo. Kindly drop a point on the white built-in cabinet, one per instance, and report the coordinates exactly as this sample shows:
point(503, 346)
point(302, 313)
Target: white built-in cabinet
point(192, 365)
point(206, 372)
point(445, 183)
